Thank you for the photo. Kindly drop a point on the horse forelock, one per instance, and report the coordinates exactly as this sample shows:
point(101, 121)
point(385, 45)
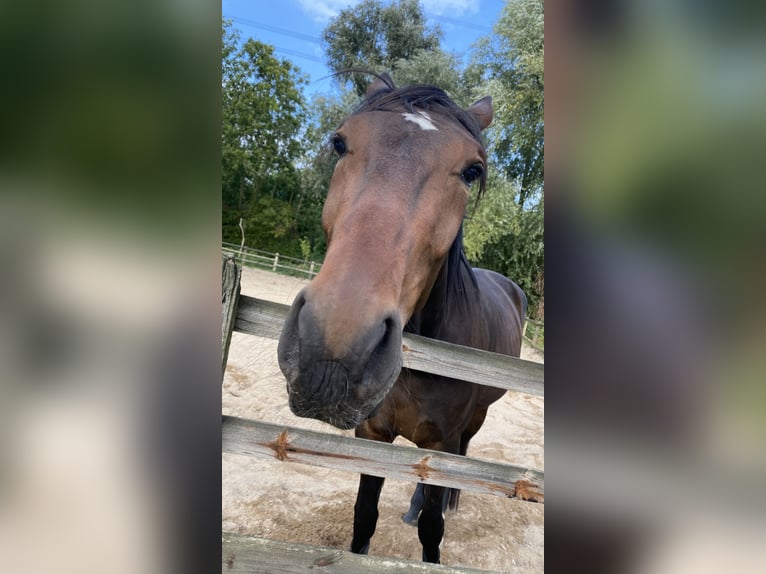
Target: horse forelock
point(426, 98)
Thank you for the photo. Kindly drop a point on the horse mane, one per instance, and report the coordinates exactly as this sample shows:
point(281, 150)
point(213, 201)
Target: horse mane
point(434, 99)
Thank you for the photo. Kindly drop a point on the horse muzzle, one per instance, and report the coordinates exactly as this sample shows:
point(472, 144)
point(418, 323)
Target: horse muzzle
point(340, 383)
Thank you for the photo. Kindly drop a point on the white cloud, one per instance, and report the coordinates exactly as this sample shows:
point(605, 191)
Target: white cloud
point(323, 10)
point(450, 7)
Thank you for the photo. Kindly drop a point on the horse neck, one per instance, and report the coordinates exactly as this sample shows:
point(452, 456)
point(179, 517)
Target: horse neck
point(452, 297)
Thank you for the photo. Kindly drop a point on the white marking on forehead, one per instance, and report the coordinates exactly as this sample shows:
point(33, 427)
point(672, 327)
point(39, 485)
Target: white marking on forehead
point(422, 119)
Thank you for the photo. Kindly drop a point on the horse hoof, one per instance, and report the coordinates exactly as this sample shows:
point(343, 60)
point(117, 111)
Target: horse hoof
point(410, 519)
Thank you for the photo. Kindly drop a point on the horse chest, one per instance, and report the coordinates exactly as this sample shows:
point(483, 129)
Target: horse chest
point(422, 405)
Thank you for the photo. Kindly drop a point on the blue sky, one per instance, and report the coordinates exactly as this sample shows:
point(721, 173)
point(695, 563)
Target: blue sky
point(294, 27)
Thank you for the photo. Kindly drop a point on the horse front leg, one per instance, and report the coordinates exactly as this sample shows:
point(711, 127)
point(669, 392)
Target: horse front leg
point(431, 522)
point(366, 507)
point(366, 512)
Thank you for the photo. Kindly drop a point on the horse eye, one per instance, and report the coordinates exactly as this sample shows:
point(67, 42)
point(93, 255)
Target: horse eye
point(472, 173)
point(338, 145)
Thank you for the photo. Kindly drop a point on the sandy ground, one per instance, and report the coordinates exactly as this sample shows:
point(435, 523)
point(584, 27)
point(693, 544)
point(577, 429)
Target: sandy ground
point(300, 503)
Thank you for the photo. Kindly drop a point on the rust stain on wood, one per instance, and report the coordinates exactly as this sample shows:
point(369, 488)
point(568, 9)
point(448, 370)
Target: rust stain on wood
point(281, 446)
point(526, 490)
point(324, 454)
point(282, 450)
point(410, 350)
point(506, 490)
point(422, 469)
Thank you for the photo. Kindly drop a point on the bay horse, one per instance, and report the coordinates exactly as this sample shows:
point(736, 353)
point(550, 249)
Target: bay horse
point(407, 159)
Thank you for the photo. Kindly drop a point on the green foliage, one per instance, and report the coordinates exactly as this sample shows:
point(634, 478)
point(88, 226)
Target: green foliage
point(500, 235)
point(305, 247)
point(434, 67)
point(262, 113)
point(506, 232)
point(511, 62)
point(496, 216)
point(374, 37)
point(519, 253)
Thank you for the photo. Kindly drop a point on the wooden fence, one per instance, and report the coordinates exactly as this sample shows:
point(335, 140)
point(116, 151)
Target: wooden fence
point(254, 438)
point(272, 261)
point(533, 332)
point(537, 339)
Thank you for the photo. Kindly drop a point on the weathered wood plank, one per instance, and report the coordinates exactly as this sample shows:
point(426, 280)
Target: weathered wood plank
point(244, 555)
point(339, 452)
point(230, 286)
point(265, 319)
point(473, 365)
point(260, 317)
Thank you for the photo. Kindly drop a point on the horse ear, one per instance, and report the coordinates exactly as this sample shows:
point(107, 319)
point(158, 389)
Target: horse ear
point(482, 111)
point(381, 82)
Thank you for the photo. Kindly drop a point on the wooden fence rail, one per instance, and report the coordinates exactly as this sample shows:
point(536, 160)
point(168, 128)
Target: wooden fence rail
point(339, 452)
point(245, 555)
point(272, 261)
point(265, 319)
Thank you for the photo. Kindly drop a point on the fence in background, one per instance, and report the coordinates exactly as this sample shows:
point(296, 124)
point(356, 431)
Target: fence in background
point(534, 331)
point(537, 338)
point(272, 261)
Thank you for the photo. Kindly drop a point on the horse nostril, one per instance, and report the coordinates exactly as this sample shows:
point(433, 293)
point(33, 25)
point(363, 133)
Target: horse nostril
point(387, 347)
point(288, 350)
point(389, 325)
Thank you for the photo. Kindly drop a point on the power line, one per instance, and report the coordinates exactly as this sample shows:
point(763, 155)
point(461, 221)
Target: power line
point(298, 54)
point(277, 30)
point(317, 40)
point(284, 32)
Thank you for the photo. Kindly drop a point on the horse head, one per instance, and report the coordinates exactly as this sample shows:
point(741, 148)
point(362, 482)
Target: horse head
point(407, 159)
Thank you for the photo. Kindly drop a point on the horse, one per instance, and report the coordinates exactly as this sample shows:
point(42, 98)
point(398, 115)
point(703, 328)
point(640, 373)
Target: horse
point(407, 160)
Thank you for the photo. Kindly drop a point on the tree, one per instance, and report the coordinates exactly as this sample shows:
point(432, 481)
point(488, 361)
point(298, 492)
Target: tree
point(374, 37)
point(437, 68)
point(500, 235)
point(262, 113)
point(512, 63)
point(506, 233)
point(495, 217)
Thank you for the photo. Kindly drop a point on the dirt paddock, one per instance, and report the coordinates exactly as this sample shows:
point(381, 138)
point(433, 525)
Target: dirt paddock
point(299, 503)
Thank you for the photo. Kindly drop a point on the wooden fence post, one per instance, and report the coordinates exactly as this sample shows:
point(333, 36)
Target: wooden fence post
point(276, 262)
point(242, 244)
point(311, 270)
point(231, 276)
